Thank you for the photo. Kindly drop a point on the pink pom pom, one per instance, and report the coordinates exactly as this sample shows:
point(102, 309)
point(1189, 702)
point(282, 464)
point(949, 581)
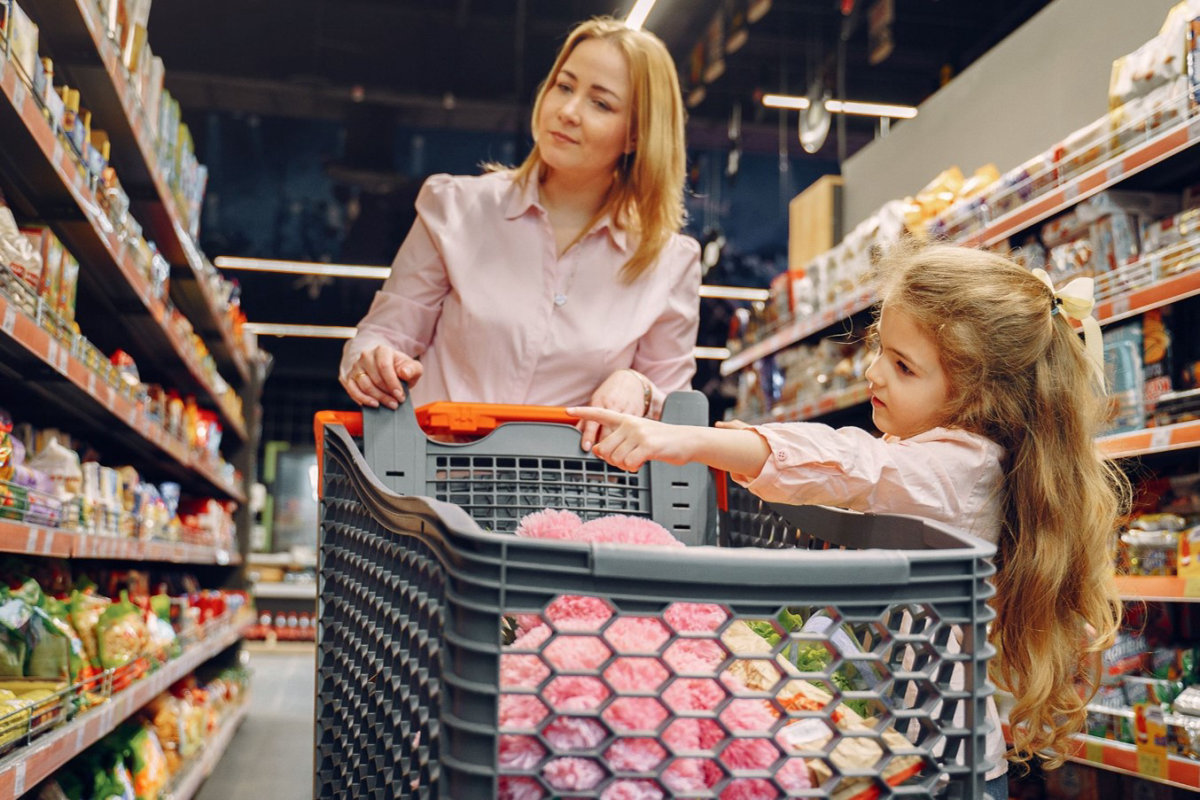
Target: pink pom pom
point(632, 790)
point(550, 524)
point(622, 529)
point(573, 773)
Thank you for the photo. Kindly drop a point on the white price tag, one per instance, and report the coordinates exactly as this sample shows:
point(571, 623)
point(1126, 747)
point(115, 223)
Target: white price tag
point(1160, 438)
point(79, 737)
point(111, 395)
point(9, 323)
point(1120, 305)
point(19, 95)
point(52, 353)
point(91, 383)
point(31, 542)
point(132, 418)
point(1071, 192)
point(1115, 171)
point(56, 157)
point(1194, 130)
point(64, 360)
point(19, 779)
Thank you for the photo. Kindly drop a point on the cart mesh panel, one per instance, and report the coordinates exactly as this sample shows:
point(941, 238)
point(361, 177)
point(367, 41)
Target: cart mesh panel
point(498, 491)
point(454, 663)
point(379, 667)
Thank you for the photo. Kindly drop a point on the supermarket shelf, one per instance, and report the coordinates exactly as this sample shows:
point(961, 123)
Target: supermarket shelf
point(26, 766)
point(827, 404)
point(1158, 588)
point(1108, 173)
point(75, 388)
point(797, 330)
point(1162, 439)
point(20, 537)
point(193, 778)
point(1122, 758)
point(278, 590)
point(44, 182)
point(1162, 293)
point(92, 64)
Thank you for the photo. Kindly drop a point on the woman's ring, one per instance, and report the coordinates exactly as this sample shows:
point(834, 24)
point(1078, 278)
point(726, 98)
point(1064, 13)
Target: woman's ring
point(358, 375)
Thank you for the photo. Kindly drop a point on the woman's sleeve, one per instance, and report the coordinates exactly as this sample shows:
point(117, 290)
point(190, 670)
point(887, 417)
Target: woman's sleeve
point(406, 309)
point(812, 463)
point(664, 354)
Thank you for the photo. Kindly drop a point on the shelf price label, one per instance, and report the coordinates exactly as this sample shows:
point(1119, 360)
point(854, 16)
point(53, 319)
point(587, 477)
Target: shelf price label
point(91, 383)
point(1160, 438)
point(9, 323)
point(1115, 171)
point(19, 779)
point(19, 95)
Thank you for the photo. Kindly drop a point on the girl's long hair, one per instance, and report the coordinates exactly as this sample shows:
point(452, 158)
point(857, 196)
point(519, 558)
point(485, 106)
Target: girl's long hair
point(647, 193)
point(1019, 375)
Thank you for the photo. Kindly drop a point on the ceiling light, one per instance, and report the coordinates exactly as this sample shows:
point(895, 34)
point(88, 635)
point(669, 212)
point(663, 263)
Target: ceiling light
point(340, 332)
point(637, 16)
point(308, 331)
point(301, 267)
point(734, 292)
point(785, 101)
point(871, 109)
point(841, 106)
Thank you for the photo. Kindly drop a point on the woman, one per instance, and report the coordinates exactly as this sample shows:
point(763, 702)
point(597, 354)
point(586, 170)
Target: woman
point(561, 282)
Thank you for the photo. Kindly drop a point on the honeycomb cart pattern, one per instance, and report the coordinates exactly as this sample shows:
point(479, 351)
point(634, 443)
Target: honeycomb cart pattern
point(456, 663)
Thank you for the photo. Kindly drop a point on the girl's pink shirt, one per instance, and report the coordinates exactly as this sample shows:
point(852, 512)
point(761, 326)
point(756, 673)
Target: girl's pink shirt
point(471, 294)
point(946, 475)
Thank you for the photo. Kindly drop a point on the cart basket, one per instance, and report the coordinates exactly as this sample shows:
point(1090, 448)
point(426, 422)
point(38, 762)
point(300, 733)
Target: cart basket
point(813, 653)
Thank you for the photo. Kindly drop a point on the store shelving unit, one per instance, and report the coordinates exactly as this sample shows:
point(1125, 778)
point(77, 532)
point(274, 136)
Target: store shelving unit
point(94, 65)
point(189, 783)
point(26, 766)
point(50, 372)
point(1177, 283)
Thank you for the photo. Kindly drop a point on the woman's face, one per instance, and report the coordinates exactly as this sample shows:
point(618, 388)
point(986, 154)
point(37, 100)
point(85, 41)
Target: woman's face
point(583, 127)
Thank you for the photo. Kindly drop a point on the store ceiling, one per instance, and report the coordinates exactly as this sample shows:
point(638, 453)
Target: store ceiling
point(475, 64)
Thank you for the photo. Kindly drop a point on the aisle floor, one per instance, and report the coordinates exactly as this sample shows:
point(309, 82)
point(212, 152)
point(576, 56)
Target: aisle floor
point(270, 757)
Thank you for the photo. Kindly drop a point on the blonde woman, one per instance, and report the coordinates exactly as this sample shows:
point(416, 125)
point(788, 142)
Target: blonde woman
point(989, 403)
point(563, 281)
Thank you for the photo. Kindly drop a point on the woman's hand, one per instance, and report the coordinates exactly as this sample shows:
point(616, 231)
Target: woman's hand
point(375, 377)
point(624, 392)
point(630, 441)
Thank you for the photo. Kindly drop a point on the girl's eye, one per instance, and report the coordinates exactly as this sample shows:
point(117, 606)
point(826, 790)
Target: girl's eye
point(904, 368)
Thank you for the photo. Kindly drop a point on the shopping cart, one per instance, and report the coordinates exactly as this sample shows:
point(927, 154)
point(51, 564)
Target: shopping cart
point(458, 662)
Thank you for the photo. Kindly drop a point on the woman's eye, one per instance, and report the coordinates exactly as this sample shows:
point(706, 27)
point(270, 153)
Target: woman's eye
point(602, 105)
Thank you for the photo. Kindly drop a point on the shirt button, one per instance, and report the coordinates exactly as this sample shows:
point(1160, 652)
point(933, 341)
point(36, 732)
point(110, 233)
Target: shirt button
point(781, 455)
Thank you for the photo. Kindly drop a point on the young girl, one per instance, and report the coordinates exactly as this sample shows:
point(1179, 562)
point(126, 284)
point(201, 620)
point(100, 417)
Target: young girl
point(989, 403)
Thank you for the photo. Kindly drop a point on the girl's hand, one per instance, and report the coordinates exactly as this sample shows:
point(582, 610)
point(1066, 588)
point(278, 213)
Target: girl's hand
point(623, 392)
point(630, 441)
point(375, 377)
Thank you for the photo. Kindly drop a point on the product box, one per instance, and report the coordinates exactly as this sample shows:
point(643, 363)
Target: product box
point(68, 285)
point(1123, 374)
point(1157, 369)
point(814, 220)
point(23, 40)
point(51, 250)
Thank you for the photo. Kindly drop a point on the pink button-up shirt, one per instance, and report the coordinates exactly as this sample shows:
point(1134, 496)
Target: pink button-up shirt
point(945, 475)
point(472, 293)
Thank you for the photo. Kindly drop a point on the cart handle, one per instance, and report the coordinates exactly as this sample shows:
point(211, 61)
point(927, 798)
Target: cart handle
point(443, 416)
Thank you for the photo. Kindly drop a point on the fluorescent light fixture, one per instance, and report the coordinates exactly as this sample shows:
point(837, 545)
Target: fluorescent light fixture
point(301, 267)
point(716, 353)
point(309, 331)
point(841, 106)
point(639, 12)
point(339, 332)
point(871, 109)
point(734, 292)
point(785, 101)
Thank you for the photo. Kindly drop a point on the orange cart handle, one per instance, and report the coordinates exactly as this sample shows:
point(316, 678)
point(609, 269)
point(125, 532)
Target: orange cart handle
point(447, 417)
point(483, 418)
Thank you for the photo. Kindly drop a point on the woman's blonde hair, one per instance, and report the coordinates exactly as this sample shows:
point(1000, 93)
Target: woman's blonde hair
point(1020, 376)
point(647, 193)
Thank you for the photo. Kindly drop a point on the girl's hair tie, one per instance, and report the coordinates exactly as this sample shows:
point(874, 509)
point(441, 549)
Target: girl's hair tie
point(1076, 300)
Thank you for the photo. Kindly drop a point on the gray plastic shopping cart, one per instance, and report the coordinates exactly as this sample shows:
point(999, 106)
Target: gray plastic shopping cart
point(796, 652)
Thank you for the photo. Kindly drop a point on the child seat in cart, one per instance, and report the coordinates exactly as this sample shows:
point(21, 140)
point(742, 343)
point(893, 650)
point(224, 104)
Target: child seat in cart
point(805, 652)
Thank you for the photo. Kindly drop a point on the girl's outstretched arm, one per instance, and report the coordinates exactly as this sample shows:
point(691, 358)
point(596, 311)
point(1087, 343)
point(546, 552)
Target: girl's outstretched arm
point(629, 442)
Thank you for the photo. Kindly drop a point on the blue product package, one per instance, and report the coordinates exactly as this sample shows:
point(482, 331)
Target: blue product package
point(1124, 376)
